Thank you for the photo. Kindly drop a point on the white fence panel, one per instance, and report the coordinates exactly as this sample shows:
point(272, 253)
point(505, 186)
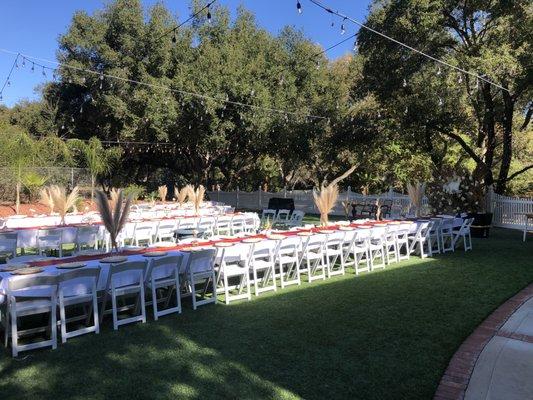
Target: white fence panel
point(509, 212)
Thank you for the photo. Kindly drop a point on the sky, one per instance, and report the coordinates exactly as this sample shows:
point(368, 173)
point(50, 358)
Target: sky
point(32, 27)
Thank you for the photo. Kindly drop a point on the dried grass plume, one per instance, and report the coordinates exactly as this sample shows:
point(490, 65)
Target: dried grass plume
point(46, 198)
point(63, 203)
point(162, 192)
point(114, 218)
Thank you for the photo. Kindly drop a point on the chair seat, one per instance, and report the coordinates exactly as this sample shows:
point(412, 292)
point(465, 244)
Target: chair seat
point(162, 282)
point(233, 270)
point(30, 307)
point(128, 289)
point(312, 255)
point(287, 259)
point(258, 264)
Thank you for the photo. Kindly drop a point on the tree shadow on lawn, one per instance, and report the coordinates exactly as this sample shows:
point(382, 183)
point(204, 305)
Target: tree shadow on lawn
point(382, 335)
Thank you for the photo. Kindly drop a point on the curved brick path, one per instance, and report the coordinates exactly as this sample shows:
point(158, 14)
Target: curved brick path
point(457, 376)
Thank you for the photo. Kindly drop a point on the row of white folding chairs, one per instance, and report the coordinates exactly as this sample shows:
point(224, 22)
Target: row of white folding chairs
point(324, 255)
point(124, 280)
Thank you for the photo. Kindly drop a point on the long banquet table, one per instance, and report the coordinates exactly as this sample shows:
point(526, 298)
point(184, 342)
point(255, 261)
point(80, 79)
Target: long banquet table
point(239, 250)
point(27, 236)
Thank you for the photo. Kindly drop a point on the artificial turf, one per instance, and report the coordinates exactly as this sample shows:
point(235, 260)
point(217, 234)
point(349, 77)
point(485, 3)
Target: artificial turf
point(381, 335)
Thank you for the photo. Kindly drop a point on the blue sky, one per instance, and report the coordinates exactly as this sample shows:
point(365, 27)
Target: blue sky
point(33, 26)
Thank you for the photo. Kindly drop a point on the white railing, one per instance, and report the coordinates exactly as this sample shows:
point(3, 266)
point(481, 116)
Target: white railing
point(509, 212)
point(303, 199)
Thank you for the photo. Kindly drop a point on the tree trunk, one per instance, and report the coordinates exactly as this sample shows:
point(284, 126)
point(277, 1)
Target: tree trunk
point(507, 145)
point(17, 200)
point(93, 182)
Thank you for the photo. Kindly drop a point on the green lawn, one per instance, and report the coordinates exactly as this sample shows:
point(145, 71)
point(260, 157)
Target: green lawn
point(383, 335)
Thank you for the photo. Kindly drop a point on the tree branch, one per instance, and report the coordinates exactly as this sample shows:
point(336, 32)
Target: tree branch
point(463, 144)
point(514, 175)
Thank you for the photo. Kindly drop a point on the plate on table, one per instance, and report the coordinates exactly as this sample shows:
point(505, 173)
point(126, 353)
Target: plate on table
point(346, 228)
point(224, 244)
point(193, 249)
point(275, 237)
point(27, 271)
point(13, 267)
point(304, 234)
point(252, 240)
point(113, 259)
point(326, 231)
point(71, 265)
point(155, 254)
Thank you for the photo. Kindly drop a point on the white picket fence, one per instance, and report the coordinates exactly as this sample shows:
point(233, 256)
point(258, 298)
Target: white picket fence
point(303, 199)
point(508, 212)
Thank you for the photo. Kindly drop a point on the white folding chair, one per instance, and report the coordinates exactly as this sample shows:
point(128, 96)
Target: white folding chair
point(464, 232)
point(166, 231)
point(26, 296)
point(334, 253)
point(287, 261)
point(75, 288)
point(200, 269)
point(50, 239)
point(402, 241)
point(8, 248)
point(421, 240)
point(163, 275)
point(237, 225)
point(207, 225)
point(223, 226)
point(231, 268)
point(87, 236)
point(296, 218)
point(361, 250)
point(390, 243)
point(376, 247)
point(268, 215)
point(282, 216)
point(446, 235)
point(435, 235)
point(261, 263)
point(143, 233)
point(125, 280)
point(313, 259)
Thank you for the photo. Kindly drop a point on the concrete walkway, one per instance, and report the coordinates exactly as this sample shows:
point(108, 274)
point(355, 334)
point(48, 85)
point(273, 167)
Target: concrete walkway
point(496, 360)
point(504, 369)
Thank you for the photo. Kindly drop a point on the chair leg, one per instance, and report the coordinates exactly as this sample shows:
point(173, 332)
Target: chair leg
point(114, 309)
point(14, 334)
point(154, 301)
point(63, 319)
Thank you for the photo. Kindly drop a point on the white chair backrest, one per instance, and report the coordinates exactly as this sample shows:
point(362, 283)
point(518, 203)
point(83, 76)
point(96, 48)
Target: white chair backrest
point(283, 215)
point(268, 213)
point(163, 267)
point(9, 245)
point(187, 223)
point(201, 261)
point(16, 286)
point(126, 273)
point(78, 282)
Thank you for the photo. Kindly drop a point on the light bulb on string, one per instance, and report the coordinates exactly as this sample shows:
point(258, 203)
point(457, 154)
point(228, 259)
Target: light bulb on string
point(8, 82)
point(44, 73)
point(208, 15)
point(439, 71)
point(441, 102)
point(71, 119)
point(406, 110)
point(318, 65)
point(404, 84)
point(23, 61)
point(460, 79)
point(17, 62)
point(174, 37)
point(299, 6)
point(32, 67)
point(355, 46)
point(343, 28)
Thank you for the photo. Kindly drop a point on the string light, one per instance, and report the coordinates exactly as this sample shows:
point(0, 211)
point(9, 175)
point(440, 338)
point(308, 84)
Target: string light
point(299, 6)
point(441, 62)
point(343, 28)
point(208, 14)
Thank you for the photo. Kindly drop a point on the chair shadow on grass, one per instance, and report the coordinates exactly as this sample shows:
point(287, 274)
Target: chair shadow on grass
point(382, 335)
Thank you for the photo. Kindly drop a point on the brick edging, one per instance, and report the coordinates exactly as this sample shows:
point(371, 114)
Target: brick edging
point(455, 380)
